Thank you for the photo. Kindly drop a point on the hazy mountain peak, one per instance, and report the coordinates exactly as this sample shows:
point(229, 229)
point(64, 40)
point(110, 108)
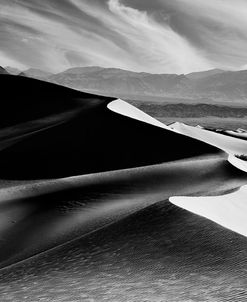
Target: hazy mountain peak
point(98, 69)
point(116, 81)
point(36, 73)
point(12, 70)
point(204, 74)
point(81, 70)
point(2, 70)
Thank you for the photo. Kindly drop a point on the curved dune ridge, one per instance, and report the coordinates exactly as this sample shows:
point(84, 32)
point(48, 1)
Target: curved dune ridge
point(77, 167)
point(228, 210)
point(121, 107)
point(231, 145)
point(238, 163)
point(106, 140)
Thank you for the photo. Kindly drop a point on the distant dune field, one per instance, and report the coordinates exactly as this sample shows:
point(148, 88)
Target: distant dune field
point(207, 115)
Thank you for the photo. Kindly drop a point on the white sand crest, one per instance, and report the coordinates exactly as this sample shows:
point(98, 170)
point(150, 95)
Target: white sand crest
point(121, 107)
point(229, 211)
point(231, 145)
point(238, 163)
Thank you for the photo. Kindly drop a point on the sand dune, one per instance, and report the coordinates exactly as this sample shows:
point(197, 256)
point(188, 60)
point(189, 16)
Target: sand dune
point(49, 213)
point(123, 108)
point(236, 134)
point(231, 145)
point(159, 253)
point(100, 136)
point(228, 144)
point(238, 163)
point(227, 210)
point(84, 187)
point(95, 140)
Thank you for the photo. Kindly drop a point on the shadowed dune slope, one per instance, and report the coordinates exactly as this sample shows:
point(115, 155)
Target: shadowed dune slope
point(161, 253)
point(93, 140)
point(37, 217)
point(24, 99)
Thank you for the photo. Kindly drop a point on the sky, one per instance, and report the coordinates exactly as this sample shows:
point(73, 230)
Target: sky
point(157, 36)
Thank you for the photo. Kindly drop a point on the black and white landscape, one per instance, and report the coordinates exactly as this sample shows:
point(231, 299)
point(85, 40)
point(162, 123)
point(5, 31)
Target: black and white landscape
point(123, 151)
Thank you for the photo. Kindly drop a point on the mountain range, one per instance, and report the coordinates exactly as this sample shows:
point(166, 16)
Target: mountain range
point(216, 84)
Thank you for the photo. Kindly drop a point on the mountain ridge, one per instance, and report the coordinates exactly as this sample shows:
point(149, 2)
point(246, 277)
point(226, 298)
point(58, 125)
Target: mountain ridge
point(36, 73)
point(215, 84)
point(3, 70)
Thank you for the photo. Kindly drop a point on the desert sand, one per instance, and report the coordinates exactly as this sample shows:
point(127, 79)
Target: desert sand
point(228, 210)
point(84, 202)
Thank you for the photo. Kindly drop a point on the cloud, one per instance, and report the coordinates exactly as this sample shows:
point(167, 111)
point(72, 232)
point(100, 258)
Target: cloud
point(153, 47)
point(218, 27)
point(59, 34)
point(161, 45)
point(54, 40)
point(7, 61)
point(227, 12)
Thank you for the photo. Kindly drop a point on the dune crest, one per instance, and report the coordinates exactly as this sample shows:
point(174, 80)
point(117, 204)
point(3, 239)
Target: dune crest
point(238, 163)
point(231, 145)
point(121, 107)
point(227, 210)
point(228, 144)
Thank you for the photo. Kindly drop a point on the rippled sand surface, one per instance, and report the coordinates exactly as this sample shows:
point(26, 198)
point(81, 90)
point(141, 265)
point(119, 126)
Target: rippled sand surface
point(162, 253)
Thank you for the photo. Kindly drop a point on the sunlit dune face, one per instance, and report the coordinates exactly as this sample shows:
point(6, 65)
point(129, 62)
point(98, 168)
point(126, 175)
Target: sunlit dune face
point(227, 210)
point(231, 145)
point(121, 107)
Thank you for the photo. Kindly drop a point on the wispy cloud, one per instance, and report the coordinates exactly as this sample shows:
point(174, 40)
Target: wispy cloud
point(55, 39)
point(161, 45)
point(218, 27)
point(152, 46)
point(58, 34)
